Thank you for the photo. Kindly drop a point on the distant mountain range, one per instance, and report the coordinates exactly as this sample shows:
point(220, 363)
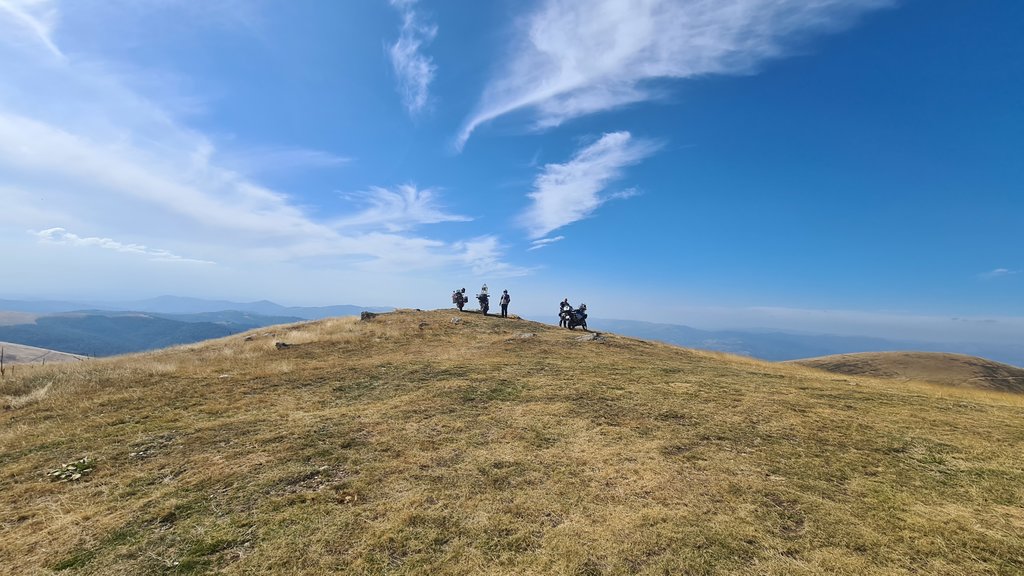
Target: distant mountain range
point(180, 305)
point(777, 346)
point(105, 329)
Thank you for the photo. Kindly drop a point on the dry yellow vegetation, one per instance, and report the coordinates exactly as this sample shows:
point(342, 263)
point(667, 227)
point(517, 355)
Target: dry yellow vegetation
point(935, 367)
point(410, 444)
point(21, 354)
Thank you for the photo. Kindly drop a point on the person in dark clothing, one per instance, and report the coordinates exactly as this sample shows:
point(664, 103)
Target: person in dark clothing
point(564, 309)
point(505, 299)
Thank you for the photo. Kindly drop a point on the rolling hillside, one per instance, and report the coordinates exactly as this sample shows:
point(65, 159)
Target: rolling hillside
point(104, 333)
point(413, 443)
point(19, 354)
point(948, 369)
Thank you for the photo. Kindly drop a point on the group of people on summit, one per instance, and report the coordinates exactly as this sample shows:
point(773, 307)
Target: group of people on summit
point(568, 316)
point(484, 298)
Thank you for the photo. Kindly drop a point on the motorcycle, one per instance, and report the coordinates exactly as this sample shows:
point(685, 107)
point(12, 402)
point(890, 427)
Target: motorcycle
point(485, 303)
point(574, 318)
point(459, 299)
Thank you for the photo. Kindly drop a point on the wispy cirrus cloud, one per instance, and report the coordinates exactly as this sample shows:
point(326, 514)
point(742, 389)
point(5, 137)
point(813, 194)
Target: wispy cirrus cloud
point(542, 242)
point(120, 159)
point(565, 193)
point(62, 236)
point(998, 273)
point(573, 58)
point(401, 208)
point(265, 160)
point(414, 69)
point(31, 20)
point(484, 256)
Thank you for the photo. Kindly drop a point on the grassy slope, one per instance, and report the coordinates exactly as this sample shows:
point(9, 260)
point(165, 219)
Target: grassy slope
point(19, 354)
point(948, 369)
point(411, 445)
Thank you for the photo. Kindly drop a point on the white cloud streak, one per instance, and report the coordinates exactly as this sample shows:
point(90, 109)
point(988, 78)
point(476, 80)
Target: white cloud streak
point(538, 244)
point(278, 160)
point(62, 236)
point(998, 273)
point(483, 255)
point(575, 58)
point(186, 185)
point(34, 19)
point(128, 189)
point(402, 208)
point(114, 159)
point(414, 69)
point(566, 193)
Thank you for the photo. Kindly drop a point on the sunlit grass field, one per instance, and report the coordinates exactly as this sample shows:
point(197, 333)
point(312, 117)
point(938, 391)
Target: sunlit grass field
point(412, 444)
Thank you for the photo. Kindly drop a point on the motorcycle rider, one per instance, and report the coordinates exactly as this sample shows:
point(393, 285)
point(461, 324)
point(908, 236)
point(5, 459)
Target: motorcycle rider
point(564, 309)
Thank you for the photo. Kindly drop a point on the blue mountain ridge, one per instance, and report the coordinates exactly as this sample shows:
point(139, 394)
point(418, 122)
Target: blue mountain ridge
point(116, 327)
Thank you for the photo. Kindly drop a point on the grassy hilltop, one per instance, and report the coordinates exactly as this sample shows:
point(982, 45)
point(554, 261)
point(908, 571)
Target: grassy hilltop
point(410, 444)
point(939, 368)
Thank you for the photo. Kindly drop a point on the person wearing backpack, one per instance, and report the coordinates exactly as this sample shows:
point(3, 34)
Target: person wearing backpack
point(505, 299)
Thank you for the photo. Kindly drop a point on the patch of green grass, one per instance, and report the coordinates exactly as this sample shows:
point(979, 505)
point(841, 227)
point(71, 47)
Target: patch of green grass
point(478, 393)
point(76, 560)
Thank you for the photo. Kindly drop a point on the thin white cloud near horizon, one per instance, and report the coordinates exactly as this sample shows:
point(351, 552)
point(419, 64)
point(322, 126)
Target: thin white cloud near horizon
point(414, 70)
point(62, 236)
point(565, 193)
point(571, 59)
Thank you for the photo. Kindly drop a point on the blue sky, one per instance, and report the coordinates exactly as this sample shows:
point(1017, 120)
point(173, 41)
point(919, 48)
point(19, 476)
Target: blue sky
point(848, 167)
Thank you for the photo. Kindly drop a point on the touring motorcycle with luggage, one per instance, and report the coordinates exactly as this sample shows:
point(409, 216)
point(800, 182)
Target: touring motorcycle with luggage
point(459, 298)
point(571, 318)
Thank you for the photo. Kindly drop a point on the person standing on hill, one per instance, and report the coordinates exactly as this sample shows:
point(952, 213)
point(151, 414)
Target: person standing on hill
point(505, 299)
point(564, 309)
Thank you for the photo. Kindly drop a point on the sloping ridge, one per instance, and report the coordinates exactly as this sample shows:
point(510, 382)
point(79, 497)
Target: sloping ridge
point(446, 443)
point(940, 368)
point(21, 354)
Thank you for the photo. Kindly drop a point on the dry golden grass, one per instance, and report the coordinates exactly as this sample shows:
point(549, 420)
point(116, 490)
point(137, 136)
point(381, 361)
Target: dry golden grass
point(18, 354)
point(412, 445)
point(935, 367)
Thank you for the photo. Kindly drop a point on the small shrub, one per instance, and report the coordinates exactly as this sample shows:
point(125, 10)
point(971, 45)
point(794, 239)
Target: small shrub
point(73, 470)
